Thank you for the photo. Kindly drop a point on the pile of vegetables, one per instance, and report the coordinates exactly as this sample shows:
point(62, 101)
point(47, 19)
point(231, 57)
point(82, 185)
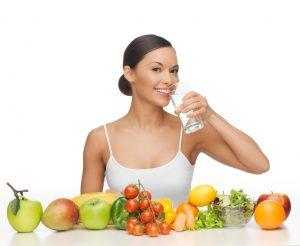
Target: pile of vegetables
point(136, 213)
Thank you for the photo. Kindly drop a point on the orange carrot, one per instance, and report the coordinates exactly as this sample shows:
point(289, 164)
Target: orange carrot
point(190, 220)
point(179, 222)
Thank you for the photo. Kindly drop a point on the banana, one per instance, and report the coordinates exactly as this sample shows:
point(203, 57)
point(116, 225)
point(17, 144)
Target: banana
point(109, 197)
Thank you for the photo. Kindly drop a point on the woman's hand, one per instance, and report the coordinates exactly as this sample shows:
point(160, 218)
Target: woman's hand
point(197, 103)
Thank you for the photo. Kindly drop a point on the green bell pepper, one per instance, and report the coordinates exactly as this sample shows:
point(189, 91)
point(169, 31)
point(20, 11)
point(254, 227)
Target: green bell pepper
point(119, 214)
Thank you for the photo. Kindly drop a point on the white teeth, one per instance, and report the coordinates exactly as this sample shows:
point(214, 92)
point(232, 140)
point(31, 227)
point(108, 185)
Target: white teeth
point(163, 91)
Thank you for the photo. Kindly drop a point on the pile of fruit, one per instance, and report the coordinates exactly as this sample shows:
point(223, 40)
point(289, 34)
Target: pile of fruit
point(136, 212)
point(93, 210)
point(272, 210)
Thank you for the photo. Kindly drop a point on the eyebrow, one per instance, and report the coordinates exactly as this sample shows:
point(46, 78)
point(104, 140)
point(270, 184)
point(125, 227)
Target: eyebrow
point(162, 64)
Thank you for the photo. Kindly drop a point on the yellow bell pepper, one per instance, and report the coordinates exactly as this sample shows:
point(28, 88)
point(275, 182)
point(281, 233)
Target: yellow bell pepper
point(170, 216)
point(167, 204)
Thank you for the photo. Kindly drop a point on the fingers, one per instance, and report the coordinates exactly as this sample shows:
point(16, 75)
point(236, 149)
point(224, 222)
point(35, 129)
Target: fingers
point(177, 110)
point(190, 100)
point(194, 102)
point(196, 113)
point(190, 94)
point(192, 106)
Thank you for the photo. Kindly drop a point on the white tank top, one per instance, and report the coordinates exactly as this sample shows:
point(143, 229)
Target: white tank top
point(172, 180)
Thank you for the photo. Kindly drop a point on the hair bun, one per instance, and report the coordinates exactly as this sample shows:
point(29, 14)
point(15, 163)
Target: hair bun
point(124, 86)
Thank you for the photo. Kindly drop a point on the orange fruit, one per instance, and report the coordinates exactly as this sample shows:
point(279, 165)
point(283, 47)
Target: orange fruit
point(185, 206)
point(269, 214)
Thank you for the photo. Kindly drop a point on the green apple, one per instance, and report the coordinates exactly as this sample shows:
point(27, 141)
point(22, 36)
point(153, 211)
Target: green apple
point(24, 215)
point(95, 214)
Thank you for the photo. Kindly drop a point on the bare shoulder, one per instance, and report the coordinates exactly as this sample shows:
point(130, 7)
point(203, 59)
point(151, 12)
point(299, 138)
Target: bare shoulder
point(96, 140)
point(97, 135)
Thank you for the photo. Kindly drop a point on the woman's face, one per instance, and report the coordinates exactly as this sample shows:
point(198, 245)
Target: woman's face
point(157, 70)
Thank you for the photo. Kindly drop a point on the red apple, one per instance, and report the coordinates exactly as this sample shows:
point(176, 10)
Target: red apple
point(283, 199)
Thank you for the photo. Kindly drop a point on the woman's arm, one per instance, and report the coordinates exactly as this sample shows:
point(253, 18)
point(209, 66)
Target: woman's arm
point(93, 166)
point(223, 141)
point(231, 146)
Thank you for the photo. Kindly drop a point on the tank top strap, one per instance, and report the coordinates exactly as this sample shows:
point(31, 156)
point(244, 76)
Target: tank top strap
point(107, 139)
point(180, 138)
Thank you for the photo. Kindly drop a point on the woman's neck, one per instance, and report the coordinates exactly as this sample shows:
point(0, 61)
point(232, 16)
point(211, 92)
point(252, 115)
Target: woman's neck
point(145, 116)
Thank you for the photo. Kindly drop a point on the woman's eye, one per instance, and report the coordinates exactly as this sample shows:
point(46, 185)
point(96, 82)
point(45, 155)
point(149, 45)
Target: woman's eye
point(158, 69)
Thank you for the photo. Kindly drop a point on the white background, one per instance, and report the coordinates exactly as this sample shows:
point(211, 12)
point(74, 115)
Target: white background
point(60, 62)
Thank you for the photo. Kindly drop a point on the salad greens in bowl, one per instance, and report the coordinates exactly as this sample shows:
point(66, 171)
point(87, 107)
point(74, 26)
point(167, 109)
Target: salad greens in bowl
point(236, 209)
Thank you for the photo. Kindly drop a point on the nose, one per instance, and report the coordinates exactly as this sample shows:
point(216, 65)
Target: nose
point(167, 79)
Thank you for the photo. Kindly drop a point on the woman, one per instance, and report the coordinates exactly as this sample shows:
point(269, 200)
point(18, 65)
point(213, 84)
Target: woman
point(148, 143)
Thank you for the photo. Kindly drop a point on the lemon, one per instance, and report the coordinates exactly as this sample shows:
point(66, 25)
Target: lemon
point(167, 204)
point(202, 195)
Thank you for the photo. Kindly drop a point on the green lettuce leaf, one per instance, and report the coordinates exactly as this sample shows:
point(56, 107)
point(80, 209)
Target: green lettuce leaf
point(240, 199)
point(208, 219)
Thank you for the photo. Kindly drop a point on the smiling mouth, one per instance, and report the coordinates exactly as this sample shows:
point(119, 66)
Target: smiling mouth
point(162, 91)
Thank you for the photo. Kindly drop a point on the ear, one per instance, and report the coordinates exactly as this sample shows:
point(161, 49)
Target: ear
point(129, 74)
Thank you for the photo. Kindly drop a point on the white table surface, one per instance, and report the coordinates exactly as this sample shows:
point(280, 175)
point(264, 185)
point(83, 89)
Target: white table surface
point(251, 234)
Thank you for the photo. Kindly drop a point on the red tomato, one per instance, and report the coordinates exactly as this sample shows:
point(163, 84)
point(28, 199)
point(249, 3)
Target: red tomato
point(146, 216)
point(157, 221)
point(147, 225)
point(130, 223)
point(133, 219)
point(131, 205)
point(145, 194)
point(158, 208)
point(138, 229)
point(164, 228)
point(144, 204)
point(129, 226)
point(152, 229)
point(131, 191)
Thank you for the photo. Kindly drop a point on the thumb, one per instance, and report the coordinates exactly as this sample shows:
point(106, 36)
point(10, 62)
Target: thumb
point(177, 110)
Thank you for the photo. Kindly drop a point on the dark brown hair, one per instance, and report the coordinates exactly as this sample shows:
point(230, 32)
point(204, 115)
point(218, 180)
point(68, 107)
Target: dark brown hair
point(135, 51)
